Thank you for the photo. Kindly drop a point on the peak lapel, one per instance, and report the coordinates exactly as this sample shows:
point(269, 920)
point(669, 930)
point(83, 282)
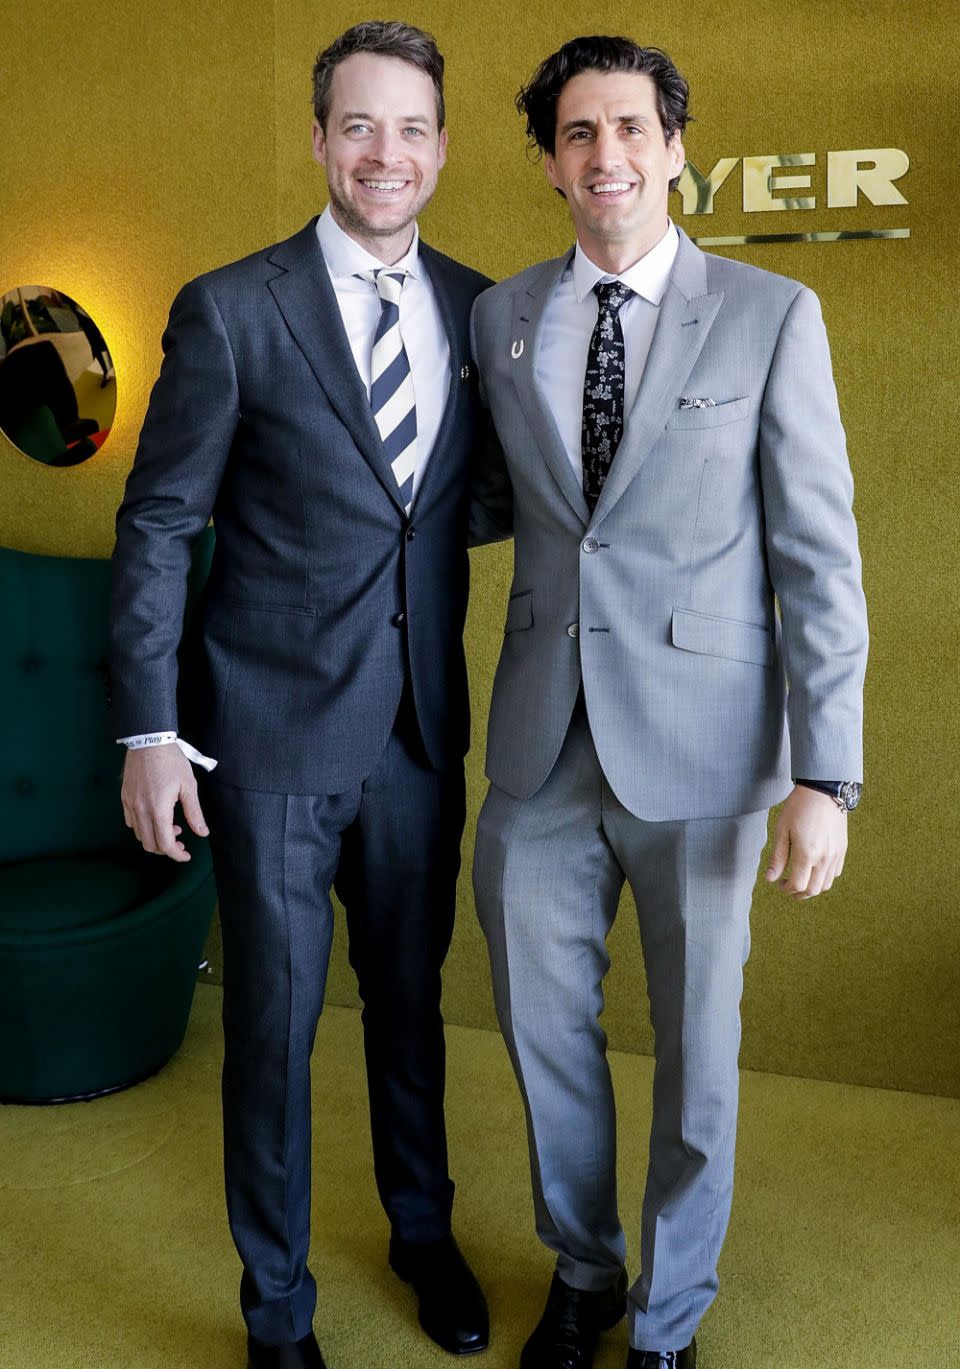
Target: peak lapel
point(687, 312)
point(529, 307)
point(306, 298)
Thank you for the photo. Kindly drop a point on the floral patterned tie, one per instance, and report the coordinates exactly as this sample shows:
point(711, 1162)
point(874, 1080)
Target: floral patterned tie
point(603, 389)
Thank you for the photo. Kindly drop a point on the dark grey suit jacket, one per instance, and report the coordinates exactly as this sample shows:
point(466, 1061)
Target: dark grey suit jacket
point(321, 588)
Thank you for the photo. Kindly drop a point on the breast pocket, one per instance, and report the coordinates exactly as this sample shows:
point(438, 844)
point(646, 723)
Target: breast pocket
point(713, 416)
point(519, 612)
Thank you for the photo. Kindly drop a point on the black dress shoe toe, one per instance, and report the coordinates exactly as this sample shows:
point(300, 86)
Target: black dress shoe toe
point(301, 1354)
point(453, 1310)
point(566, 1335)
point(664, 1359)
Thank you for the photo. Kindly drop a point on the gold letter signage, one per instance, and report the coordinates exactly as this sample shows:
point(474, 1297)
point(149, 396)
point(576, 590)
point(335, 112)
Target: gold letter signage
point(769, 184)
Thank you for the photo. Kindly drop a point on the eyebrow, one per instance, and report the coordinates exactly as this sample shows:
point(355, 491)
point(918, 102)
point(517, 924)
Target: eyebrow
point(591, 123)
point(405, 119)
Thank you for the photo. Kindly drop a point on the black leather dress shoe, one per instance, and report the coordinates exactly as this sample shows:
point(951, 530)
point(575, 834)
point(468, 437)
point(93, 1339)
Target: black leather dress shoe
point(566, 1335)
point(300, 1354)
point(453, 1310)
point(664, 1359)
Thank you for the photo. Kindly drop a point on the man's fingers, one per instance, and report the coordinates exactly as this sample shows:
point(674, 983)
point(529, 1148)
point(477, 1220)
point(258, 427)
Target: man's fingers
point(817, 880)
point(145, 832)
point(167, 843)
point(192, 811)
point(801, 868)
point(780, 853)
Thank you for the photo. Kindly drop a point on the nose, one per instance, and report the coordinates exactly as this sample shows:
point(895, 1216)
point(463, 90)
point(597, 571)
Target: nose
point(386, 147)
point(606, 150)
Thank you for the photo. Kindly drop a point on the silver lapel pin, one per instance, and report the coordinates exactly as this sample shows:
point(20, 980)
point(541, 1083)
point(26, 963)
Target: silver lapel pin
point(464, 372)
point(516, 351)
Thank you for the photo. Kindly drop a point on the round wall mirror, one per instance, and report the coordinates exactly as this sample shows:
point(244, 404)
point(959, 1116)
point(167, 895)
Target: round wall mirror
point(58, 387)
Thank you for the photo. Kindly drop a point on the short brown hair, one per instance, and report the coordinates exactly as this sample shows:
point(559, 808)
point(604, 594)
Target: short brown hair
point(386, 38)
point(537, 100)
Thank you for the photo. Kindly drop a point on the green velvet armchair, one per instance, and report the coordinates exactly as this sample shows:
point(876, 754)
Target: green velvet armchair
point(99, 942)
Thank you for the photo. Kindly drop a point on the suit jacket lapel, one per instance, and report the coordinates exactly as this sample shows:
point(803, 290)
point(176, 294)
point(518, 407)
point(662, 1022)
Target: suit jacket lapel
point(306, 299)
point(432, 263)
point(529, 307)
point(687, 312)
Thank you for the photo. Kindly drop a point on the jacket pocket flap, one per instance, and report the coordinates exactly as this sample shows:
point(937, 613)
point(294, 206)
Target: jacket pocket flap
point(712, 417)
point(519, 611)
point(728, 637)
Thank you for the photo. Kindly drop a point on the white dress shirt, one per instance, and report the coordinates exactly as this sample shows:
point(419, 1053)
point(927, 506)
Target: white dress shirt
point(424, 340)
point(421, 326)
point(568, 323)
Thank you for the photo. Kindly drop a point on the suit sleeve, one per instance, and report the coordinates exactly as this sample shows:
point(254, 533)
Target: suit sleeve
point(491, 493)
point(812, 551)
point(170, 493)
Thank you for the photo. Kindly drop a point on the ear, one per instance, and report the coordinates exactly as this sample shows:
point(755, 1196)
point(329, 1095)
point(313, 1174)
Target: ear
point(550, 167)
point(319, 144)
point(442, 148)
point(678, 156)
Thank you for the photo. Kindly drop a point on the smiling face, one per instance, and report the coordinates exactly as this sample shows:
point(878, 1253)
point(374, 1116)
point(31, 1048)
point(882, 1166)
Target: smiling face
point(381, 150)
point(613, 165)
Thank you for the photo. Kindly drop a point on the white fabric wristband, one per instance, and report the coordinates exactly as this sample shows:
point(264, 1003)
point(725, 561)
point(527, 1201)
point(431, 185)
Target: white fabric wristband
point(162, 739)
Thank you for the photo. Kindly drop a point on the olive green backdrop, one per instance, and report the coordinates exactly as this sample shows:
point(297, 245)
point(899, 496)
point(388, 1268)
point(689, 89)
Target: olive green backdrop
point(141, 145)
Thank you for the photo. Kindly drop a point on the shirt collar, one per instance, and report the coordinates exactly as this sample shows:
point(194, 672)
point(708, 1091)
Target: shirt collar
point(344, 257)
point(647, 277)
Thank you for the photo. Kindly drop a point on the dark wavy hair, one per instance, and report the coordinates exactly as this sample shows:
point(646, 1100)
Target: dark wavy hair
point(385, 38)
point(537, 100)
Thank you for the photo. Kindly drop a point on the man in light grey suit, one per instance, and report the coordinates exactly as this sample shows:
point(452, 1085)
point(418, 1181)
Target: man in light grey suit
point(678, 465)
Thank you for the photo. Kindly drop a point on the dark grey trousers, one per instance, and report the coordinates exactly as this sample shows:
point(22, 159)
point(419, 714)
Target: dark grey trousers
point(391, 846)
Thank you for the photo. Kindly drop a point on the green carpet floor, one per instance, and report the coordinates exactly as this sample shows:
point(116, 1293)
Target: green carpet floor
point(844, 1248)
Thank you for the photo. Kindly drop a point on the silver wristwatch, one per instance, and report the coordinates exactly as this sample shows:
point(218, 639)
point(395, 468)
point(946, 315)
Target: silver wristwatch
point(845, 793)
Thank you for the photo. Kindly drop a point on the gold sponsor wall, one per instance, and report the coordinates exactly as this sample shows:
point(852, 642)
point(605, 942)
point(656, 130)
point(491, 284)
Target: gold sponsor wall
point(143, 145)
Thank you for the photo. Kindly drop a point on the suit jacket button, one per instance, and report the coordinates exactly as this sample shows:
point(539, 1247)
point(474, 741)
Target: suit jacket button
point(573, 630)
point(591, 545)
point(411, 534)
point(398, 619)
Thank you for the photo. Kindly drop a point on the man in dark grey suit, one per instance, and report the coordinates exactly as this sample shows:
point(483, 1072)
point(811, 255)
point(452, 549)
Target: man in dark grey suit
point(316, 400)
point(671, 431)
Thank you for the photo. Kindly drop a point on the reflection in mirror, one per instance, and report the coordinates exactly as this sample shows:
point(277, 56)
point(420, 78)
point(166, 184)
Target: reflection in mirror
point(58, 388)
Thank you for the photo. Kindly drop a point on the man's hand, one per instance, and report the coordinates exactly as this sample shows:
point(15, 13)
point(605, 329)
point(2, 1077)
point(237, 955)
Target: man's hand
point(811, 834)
point(155, 778)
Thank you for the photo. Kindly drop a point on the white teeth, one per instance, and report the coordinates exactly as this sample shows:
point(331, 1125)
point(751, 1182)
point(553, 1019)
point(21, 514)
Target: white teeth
point(610, 187)
point(384, 185)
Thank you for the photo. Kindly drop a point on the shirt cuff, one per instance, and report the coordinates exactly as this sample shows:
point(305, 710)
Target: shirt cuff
point(161, 739)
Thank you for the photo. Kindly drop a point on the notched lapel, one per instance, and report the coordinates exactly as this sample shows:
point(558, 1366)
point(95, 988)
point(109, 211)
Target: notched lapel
point(525, 329)
point(687, 313)
point(432, 263)
point(306, 298)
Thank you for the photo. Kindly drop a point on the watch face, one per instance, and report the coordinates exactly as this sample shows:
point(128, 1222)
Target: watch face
point(850, 793)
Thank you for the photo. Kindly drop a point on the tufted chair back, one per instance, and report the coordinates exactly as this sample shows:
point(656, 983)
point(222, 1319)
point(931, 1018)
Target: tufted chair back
point(59, 765)
point(59, 768)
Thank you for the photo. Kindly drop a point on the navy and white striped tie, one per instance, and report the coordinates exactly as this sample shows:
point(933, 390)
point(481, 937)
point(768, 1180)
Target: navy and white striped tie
point(391, 384)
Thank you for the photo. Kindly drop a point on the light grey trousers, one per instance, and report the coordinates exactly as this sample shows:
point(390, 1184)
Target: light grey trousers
point(548, 875)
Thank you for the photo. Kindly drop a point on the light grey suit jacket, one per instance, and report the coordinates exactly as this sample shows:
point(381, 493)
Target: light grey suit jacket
point(664, 599)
